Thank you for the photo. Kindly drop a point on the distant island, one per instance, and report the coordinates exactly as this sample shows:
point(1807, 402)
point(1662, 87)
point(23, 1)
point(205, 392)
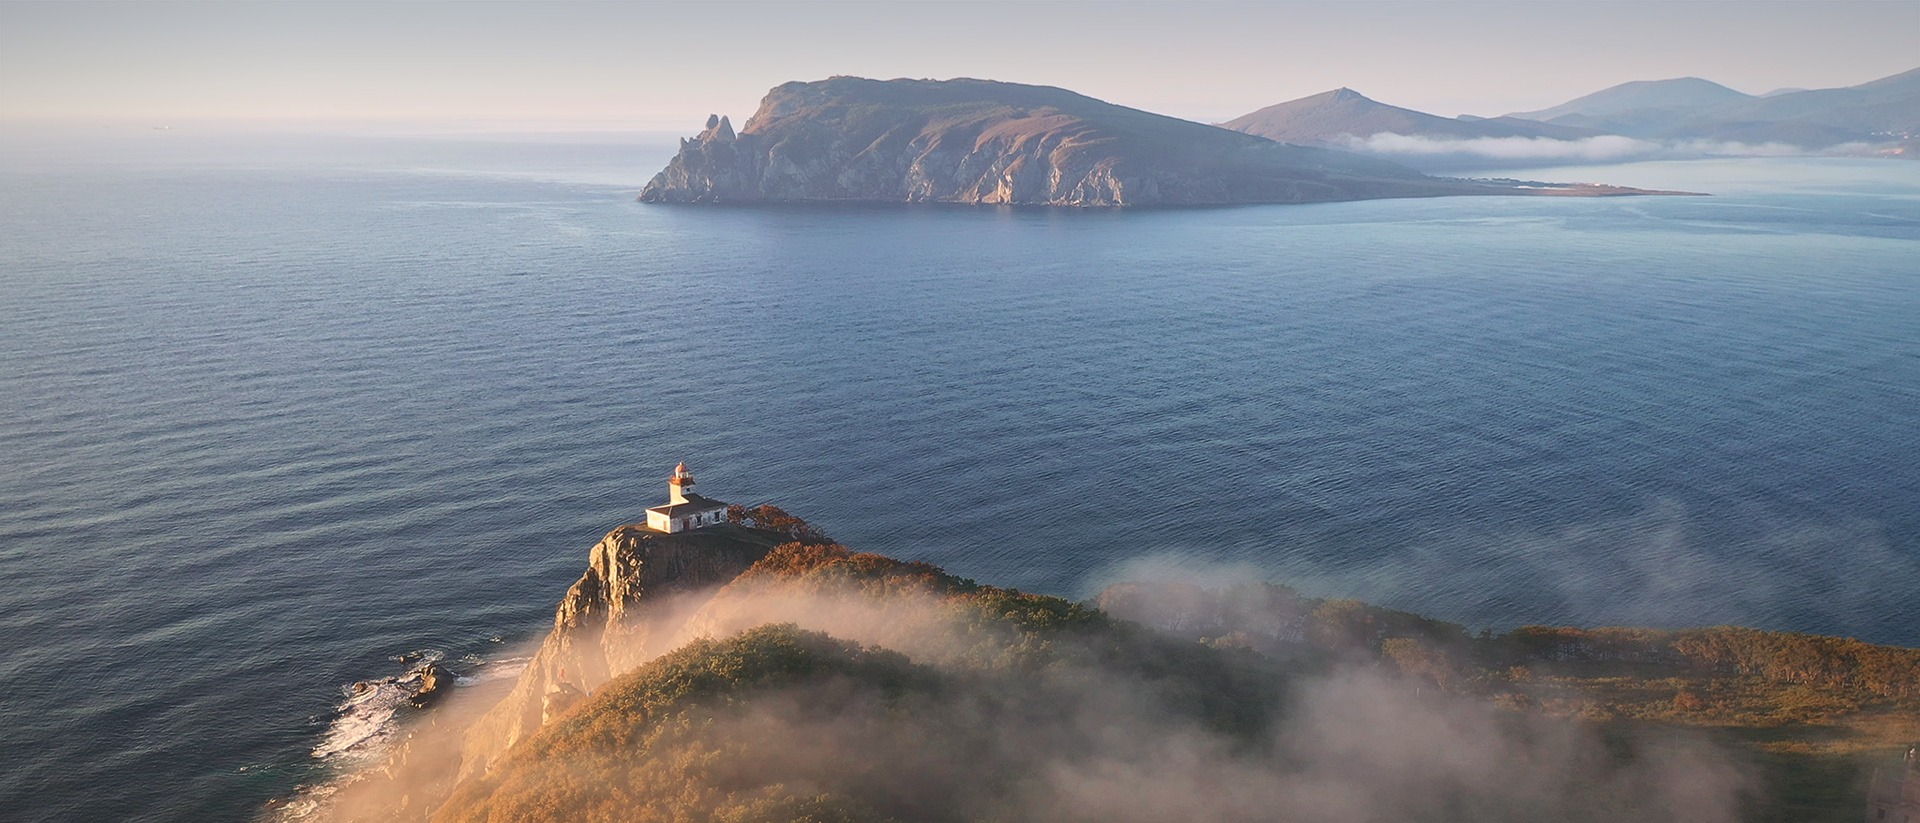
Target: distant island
point(851, 139)
point(754, 670)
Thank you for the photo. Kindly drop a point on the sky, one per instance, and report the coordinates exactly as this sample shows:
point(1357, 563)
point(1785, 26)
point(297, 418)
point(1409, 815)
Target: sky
point(648, 66)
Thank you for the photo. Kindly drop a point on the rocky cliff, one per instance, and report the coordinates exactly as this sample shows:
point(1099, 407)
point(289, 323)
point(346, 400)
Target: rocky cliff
point(639, 587)
point(984, 142)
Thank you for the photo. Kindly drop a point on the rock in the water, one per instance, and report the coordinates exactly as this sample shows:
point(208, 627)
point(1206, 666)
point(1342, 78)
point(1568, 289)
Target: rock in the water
point(435, 682)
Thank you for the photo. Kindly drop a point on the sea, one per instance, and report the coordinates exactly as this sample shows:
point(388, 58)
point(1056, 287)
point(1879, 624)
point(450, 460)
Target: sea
point(284, 413)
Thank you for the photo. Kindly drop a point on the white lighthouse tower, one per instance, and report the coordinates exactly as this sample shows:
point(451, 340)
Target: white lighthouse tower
point(685, 510)
point(678, 484)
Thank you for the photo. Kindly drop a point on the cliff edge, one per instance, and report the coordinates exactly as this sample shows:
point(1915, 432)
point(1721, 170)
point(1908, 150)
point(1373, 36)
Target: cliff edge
point(640, 585)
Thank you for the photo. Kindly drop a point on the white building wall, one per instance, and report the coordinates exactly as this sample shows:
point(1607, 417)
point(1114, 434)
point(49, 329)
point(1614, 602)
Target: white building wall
point(675, 525)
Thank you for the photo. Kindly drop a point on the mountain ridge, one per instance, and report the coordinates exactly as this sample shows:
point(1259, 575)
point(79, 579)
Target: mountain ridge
point(1674, 93)
point(1879, 111)
point(1343, 116)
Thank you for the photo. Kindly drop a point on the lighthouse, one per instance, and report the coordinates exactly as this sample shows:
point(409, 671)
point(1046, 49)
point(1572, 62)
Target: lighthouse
point(685, 510)
point(678, 484)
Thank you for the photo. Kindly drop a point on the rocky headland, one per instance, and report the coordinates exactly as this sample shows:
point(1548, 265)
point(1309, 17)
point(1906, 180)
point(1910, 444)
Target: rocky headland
point(760, 672)
point(851, 139)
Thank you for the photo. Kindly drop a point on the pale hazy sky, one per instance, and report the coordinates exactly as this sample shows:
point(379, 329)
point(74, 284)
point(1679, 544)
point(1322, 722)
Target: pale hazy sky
point(665, 66)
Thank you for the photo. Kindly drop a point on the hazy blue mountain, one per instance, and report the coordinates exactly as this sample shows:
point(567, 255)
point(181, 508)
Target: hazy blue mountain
point(1689, 108)
point(1888, 108)
point(1329, 118)
point(1681, 94)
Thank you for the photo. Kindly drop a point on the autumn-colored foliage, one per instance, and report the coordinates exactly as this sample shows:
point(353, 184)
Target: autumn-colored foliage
point(661, 743)
point(779, 724)
point(824, 566)
point(775, 519)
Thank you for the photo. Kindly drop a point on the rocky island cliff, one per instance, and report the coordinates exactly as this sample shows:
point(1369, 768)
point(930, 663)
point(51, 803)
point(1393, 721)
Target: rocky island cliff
point(757, 672)
point(851, 139)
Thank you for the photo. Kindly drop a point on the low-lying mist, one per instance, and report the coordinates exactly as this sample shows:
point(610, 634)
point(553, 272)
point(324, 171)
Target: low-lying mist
point(852, 687)
point(1656, 567)
point(1608, 148)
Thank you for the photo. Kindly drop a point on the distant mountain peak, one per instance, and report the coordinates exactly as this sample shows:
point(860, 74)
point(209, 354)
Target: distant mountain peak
point(1689, 108)
point(1672, 93)
point(1340, 117)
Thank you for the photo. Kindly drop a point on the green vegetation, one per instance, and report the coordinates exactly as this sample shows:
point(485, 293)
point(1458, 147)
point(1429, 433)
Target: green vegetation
point(659, 743)
point(781, 724)
point(1016, 706)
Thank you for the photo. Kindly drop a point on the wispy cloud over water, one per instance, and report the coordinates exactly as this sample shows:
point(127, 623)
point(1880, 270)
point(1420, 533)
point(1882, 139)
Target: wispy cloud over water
point(1650, 568)
point(1601, 148)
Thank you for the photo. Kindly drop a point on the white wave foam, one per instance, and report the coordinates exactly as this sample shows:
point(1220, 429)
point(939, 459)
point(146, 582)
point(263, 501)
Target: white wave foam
point(366, 722)
point(366, 718)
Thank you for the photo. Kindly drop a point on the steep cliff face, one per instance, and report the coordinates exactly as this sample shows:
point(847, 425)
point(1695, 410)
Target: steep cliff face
point(639, 587)
point(983, 142)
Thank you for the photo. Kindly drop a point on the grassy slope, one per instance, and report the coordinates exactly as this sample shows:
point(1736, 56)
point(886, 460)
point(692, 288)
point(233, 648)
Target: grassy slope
point(664, 742)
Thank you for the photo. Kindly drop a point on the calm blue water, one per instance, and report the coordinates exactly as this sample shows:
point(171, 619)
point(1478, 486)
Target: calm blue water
point(272, 412)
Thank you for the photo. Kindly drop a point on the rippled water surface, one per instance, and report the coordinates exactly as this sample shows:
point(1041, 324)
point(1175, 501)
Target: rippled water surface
point(273, 414)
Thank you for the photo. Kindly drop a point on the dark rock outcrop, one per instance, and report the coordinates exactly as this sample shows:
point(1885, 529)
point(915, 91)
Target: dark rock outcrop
point(435, 682)
point(983, 142)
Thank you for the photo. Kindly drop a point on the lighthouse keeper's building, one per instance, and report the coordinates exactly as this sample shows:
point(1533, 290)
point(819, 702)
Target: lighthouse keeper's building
point(685, 510)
